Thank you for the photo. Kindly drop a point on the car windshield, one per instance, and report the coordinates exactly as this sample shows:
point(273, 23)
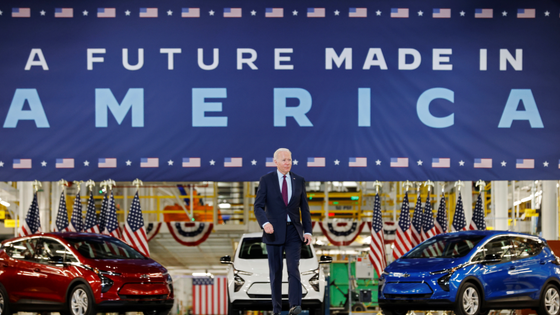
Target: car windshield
point(103, 248)
point(254, 248)
point(445, 246)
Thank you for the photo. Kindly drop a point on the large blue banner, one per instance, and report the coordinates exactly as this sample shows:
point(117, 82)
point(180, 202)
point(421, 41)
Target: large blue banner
point(208, 90)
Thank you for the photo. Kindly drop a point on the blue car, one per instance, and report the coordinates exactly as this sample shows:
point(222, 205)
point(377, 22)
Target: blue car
point(473, 272)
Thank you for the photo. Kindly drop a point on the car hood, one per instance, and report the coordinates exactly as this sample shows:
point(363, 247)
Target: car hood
point(260, 266)
point(416, 265)
point(127, 266)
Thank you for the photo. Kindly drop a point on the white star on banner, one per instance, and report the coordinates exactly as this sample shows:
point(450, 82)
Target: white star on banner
point(336, 12)
point(43, 164)
point(504, 13)
point(420, 162)
point(212, 14)
point(169, 13)
point(85, 12)
point(253, 12)
point(336, 162)
point(378, 162)
point(43, 12)
point(1, 164)
point(462, 13)
point(86, 163)
point(212, 162)
point(1, 12)
point(170, 162)
point(420, 13)
point(378, 13)
point(504, 163)
point(295, 162)
point(547, 13)
point(545, 163)
point(461, 163)
point(128, 163)
point(253, 162)
point(127, 13)
point(294, 13)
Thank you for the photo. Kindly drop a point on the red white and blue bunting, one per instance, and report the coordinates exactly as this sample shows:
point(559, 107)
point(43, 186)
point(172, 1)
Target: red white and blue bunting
point(190, 233)
point(341, 233)
point(152, 229)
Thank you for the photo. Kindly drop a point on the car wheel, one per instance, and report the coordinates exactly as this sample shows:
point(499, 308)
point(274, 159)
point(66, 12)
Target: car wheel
point(359, 307)
point(392, 311)
point(4, 302)
point(80, 301)
point(550, 301)
point(468, 301)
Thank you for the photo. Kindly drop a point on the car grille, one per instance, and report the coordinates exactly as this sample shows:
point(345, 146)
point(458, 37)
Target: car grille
point(408, 296)
point(143, 297)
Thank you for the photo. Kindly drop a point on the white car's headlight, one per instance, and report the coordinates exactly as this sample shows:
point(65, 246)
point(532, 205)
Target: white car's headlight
point(314, 281)
point(238, 281)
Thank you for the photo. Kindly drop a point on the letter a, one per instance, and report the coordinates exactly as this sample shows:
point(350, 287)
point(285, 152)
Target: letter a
point(16, 112)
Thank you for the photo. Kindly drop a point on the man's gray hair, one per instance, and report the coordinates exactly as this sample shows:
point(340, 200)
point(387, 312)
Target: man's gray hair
point(281, 150)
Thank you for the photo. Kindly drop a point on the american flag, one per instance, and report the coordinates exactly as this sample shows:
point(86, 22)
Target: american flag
point(459, 222)
point(62, 216)
point(377, 245)
point(77, 223)
point(428, 226)
point(111, 222)
point(134, 232)
point(103, 213)
point(441, 217)
point(429, 229)
point(32, 222)
point(417, 221)
point(477, 222)
point(91, 225)
point(209, 296)
point(402, 241)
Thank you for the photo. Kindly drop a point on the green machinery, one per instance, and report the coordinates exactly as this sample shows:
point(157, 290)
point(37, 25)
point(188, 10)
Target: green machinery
point(362, 287)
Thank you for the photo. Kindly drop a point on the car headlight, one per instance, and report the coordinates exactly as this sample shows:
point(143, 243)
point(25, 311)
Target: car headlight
point(444, 281)
point(238, 281)
point(314, 281)
point(168, 281)
point(106, 283)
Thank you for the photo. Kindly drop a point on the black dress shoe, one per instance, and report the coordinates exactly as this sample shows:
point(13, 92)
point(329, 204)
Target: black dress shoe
point(295, 310)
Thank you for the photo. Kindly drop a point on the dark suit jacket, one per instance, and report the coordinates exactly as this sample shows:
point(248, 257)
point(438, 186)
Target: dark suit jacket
point(270, 207)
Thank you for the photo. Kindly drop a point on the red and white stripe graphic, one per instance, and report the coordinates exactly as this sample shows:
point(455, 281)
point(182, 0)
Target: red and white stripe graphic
point(210, 296)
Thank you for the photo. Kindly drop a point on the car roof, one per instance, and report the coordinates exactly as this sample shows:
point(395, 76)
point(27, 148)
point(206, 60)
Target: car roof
point(488, 233)
point(251, 235)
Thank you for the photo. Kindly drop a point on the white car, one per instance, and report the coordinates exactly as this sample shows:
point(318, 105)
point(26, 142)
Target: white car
point(249, 282)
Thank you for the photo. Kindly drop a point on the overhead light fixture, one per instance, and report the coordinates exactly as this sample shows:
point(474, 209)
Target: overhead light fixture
point(202, 274)
point(4, 203)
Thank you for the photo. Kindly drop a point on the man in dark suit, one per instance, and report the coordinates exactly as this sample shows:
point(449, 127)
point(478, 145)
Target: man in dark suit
point(282, 211)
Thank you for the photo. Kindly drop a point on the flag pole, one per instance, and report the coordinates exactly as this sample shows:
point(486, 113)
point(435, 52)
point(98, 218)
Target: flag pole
point(90, 184)
point(137, 182)
point(377, 184)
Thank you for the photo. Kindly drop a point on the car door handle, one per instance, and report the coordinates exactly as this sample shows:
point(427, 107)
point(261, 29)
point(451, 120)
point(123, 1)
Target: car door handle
point(543, 262)
point(37, 270)
point(511, 267)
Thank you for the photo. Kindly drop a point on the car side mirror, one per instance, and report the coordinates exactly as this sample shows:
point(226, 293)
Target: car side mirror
point(325, 259)
point(492, 258)
point(225, 260)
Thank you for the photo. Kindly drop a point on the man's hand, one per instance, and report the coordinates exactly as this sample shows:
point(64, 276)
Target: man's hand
point(307, 239)
point(268, 228)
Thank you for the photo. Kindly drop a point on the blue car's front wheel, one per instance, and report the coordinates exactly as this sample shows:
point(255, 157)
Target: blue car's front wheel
point(468, 301)
point(550, 301)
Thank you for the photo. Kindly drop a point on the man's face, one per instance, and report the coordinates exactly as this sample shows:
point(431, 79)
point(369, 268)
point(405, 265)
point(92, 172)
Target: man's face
point(284, 162)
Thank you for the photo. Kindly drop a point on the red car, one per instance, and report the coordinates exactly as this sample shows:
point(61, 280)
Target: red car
point(80, 274)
